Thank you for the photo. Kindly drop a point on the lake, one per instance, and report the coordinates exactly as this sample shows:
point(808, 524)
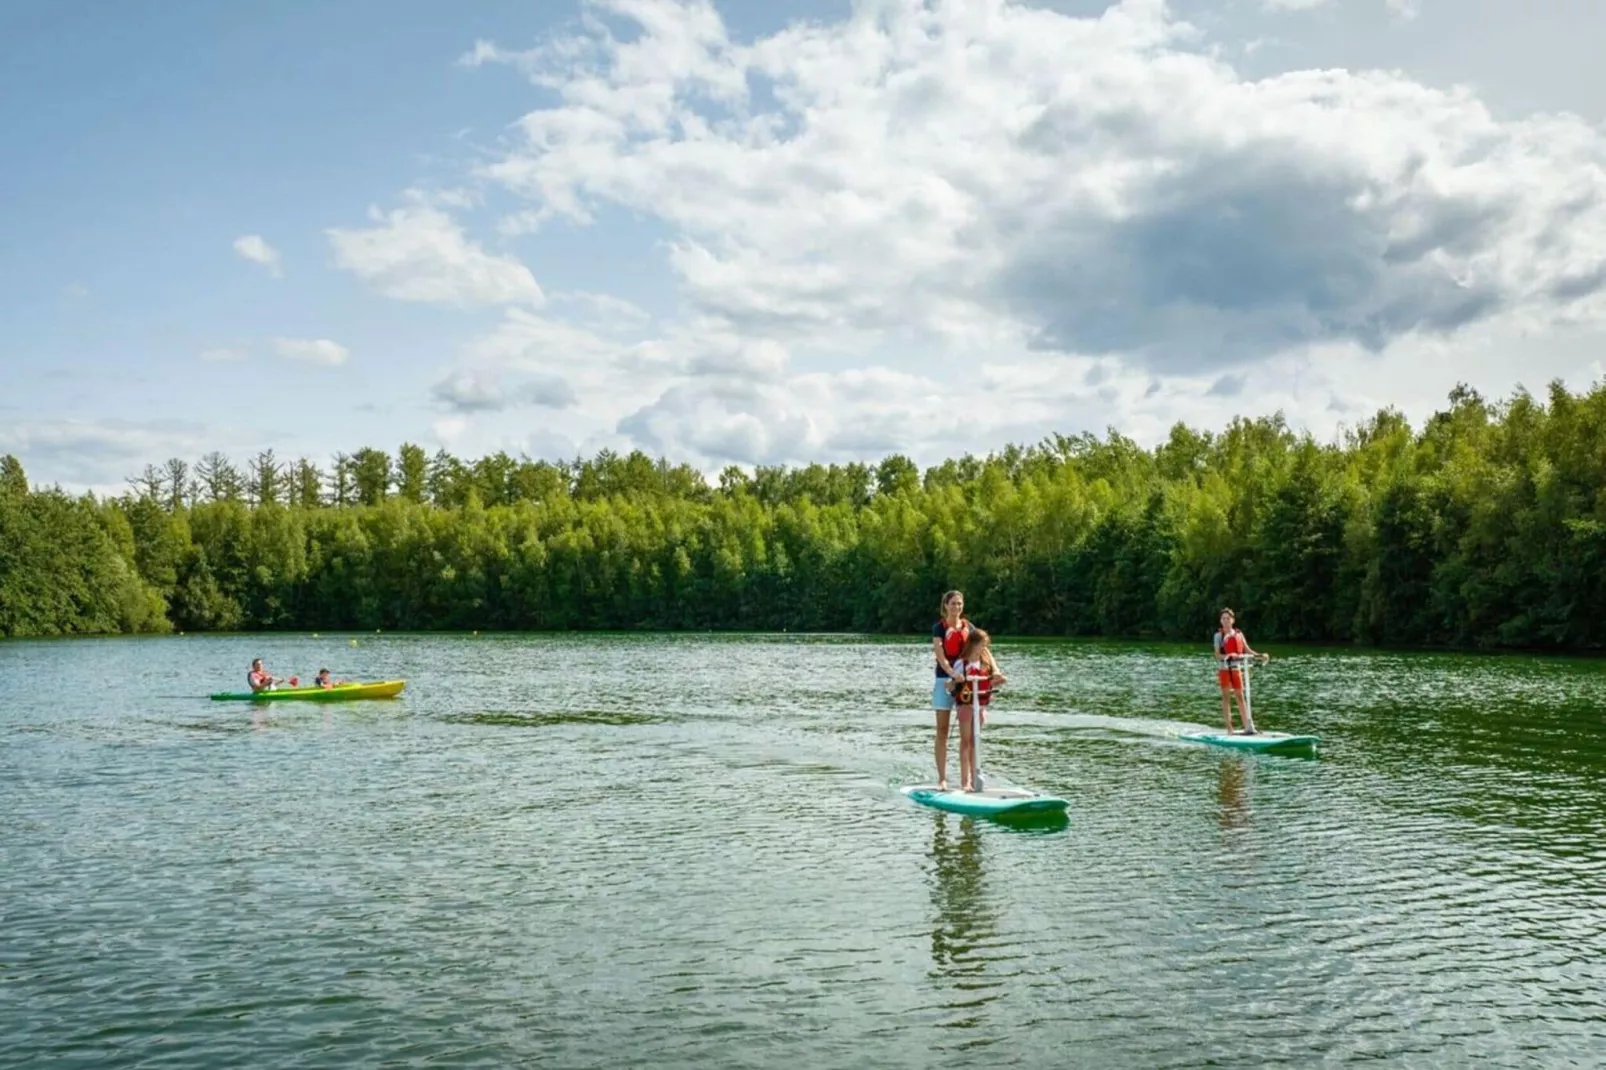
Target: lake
point(690, 851)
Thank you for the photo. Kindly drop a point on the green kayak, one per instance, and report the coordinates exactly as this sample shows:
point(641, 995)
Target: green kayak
point(338, 693)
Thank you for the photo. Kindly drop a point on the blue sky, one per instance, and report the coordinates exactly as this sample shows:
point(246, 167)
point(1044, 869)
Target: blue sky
point(777, 232)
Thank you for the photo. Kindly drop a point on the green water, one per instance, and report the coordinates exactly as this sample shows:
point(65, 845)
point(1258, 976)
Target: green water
point(691, 852)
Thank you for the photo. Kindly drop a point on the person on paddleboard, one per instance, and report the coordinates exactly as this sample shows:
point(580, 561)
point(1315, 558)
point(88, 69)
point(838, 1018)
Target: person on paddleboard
point(1232, 647)
point(979, 674)
point(948, 637)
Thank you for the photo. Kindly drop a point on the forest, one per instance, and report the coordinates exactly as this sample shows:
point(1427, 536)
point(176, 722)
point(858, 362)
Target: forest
point(1485, 528)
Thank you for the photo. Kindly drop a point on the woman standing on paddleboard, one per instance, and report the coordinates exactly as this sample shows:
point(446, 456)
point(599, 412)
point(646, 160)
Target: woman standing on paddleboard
point(948, 637)
point(1232, 646)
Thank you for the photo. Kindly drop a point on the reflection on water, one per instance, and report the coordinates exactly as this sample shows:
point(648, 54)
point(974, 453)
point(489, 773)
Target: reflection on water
point(965, 919)
point(1233, 779)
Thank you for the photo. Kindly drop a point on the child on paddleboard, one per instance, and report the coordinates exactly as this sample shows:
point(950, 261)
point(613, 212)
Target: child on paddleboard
point(979, 674)
point(1232, 648)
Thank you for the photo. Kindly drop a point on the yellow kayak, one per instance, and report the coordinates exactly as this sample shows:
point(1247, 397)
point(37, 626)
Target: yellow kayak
point(338, 693)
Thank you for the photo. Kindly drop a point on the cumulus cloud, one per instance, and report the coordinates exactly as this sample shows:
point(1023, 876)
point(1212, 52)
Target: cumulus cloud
point(468, 392)
point(941, 226)
point(420, 253)
point(252, 247)
point(311, 350)
point(99, 455)
point(990, 170)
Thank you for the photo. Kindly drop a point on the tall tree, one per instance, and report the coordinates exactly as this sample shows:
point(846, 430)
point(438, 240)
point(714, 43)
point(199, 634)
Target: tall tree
point(412, 473)
point(218, 478)
point(267, 478)
point(179, 488)
point(370, 473)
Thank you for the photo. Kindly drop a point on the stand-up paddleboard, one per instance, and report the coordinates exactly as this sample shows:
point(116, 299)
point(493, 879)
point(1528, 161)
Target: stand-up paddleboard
point(984, 801)
point(1269, 742)
point(1266, 742)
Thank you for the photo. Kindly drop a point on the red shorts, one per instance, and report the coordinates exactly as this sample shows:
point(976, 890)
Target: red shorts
point(1230, 678)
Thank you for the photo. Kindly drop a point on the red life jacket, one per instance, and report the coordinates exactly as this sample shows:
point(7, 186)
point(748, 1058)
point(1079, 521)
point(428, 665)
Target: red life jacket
point(982, 681)
point(953, 641)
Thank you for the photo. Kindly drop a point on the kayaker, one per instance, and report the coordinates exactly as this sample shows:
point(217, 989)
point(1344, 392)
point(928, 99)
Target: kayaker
point(948, 637)
point(1232, 647)
point(258, 678)
point(322, 679)
point(979, 675)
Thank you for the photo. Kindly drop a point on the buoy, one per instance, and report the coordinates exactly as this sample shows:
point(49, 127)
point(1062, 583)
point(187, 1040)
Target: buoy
point(354, 642)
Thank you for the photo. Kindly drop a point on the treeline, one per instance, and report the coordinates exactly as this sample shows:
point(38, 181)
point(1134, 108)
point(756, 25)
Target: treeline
point(1485, 528)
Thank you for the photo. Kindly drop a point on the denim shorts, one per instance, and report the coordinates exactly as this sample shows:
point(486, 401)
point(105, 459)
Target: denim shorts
point(940, 698)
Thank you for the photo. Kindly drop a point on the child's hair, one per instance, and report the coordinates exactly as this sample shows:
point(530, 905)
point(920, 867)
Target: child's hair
point(975, 643)
point(322, 671)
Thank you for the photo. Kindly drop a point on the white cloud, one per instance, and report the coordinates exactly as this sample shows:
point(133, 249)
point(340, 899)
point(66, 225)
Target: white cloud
point(312, 350)
point(469, 391)
point(223, 354)
point(419, 253)
point(253, 248)
point(1024, 222)
point(98, 455)
point(1404, 10)
point(1295, 5)
point(1088, 185)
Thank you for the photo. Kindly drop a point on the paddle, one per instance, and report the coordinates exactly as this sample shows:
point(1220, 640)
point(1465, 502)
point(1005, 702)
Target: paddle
point(1249, 708)
point(975, 727)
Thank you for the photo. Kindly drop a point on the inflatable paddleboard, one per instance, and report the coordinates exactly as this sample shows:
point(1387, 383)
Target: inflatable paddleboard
point(986, 802)
point(1269, 742)
point(991, 802)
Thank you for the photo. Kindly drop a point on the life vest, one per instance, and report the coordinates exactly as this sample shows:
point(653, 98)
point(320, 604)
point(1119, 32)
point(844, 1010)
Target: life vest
point(1229, 647)
point(978, 677)
point(953, 640)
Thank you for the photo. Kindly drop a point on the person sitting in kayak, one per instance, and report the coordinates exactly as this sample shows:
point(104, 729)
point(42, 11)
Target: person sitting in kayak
point(1232, 647)
point(258, 677)
point(322, 680)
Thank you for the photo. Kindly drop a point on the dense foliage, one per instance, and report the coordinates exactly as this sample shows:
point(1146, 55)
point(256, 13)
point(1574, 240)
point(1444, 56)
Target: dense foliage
point(1485, 528)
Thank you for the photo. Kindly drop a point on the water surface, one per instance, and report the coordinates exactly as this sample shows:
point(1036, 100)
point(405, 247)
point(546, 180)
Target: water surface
point(690, 851)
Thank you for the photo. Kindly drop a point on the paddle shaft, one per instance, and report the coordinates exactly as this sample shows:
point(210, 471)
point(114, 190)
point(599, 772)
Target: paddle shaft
point(975, 726)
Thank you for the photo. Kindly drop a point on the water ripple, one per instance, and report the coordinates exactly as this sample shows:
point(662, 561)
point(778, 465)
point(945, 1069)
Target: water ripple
point(632, 859)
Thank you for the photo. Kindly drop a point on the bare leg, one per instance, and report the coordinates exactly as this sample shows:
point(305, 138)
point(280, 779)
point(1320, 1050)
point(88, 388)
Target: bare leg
point(942, 749)
point(1226, 708)
point(967, 752)
point(1243, 714)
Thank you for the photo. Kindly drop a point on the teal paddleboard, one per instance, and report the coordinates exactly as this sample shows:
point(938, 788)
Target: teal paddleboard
point(1268, 742)
point(993, 802)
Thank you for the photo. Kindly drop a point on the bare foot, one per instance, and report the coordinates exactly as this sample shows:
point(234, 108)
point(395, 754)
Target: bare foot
point(942, 785)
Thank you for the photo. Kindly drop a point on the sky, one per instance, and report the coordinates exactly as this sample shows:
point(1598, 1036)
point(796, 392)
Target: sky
point(776, 232)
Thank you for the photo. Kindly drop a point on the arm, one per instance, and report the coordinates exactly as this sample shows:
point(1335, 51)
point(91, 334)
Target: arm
point(942, 655)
